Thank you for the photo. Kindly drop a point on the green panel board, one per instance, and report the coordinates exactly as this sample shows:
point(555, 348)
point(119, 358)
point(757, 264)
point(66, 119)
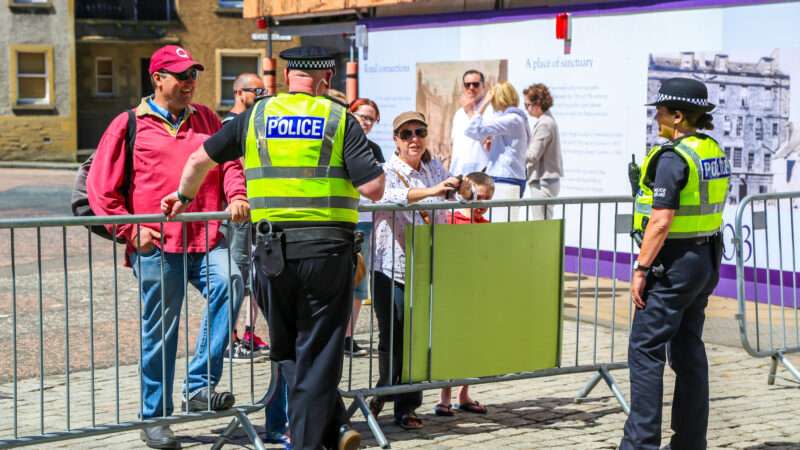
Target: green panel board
point(494, 306)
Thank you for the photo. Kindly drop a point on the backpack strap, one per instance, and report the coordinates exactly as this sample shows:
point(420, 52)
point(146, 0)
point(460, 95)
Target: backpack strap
point(130, 140)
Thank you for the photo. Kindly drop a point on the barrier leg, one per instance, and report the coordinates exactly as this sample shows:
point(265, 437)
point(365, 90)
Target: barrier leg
point(605, 375)
point(252, 434)
point(773, 368)
point(372, 421)
point(226, 434)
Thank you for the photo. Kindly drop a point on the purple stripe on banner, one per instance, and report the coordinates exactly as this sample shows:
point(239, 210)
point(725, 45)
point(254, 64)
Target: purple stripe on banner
point(518, 14)
point(725, 288)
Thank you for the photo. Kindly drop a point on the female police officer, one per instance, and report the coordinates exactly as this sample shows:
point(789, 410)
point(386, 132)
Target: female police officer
point(682, 192)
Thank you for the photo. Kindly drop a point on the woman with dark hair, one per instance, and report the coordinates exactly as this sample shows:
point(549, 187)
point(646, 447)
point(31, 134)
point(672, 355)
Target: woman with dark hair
point(367, 114)
point(543, 160)
point(678, 212)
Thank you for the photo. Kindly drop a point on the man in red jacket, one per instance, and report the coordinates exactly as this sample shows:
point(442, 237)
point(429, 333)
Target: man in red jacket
point(168, 129)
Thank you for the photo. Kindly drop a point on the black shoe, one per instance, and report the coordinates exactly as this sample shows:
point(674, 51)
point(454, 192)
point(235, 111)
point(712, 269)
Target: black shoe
point(357, 350)
point(219, 401)
point(349, 439)
point(159, 436)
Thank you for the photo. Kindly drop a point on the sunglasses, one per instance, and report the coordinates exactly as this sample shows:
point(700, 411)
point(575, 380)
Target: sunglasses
point(258, 91)
point(472, 84)
point(407, 134)
point(365, 118)
point(182, 76)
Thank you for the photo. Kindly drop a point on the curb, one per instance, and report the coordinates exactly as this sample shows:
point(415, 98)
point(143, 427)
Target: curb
point(39, 165)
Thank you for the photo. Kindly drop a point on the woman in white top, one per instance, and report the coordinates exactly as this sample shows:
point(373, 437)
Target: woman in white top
point(411, 177)
point(509, 134)
point(544, 161)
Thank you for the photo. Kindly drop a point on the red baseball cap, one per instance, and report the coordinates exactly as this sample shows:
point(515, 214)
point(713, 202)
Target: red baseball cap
point(172, 58)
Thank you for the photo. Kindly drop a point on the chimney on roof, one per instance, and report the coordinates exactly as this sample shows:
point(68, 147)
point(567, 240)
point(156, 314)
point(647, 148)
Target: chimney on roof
point(721, 63)
point(766, 65)
point(687, 61)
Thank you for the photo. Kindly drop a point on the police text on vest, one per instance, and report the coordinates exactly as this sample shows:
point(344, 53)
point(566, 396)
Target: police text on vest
point(295, 127)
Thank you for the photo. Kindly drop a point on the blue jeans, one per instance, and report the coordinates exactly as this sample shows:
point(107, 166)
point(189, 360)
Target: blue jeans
point(212, 278)
point(278, 410)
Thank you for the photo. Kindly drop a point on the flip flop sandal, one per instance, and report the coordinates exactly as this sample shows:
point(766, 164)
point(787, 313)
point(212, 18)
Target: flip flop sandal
point(443, 410)
point(473, 407)
point(409, 421)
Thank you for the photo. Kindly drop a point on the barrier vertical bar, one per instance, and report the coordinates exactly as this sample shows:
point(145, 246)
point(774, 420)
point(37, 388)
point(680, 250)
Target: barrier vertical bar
point(410, 317)
point(41, 328)
point(184, 256)
point(371, 290)
point(578, 290)
point(231, 310)
point(596, 284)
point(757, 321)
point(794, 274)
point(780, 274)
point(614, 284)
point(391, 306)
point(66, 326)
point(208, 324)
point(430, 298)
point(116, 321)
point(91, 326)
point(163, 289)
point(14, 328)
point(141, 324)
point(767, 267)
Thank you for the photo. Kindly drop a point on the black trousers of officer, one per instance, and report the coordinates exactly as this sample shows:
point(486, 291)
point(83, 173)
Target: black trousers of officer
point(309, 304)
point(671, 324)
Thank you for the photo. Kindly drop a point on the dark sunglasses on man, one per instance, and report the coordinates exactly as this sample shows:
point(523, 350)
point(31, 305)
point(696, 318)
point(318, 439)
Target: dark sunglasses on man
point(472, 84)
point(182, 76)
point(407, 134)
point(258, 91)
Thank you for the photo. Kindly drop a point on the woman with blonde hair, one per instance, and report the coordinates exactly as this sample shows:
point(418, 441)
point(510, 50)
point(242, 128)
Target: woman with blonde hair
point(509, 135)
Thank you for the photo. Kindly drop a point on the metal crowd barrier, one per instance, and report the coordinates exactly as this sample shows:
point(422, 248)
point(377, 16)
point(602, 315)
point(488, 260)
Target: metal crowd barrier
point(54, 267)
point(592, 226)
point(766, 272)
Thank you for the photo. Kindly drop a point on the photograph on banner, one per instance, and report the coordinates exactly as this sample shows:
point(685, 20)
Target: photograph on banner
point(439, 89)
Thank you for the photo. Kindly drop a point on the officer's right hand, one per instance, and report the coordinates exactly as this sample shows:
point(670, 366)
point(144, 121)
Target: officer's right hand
point(145, 239)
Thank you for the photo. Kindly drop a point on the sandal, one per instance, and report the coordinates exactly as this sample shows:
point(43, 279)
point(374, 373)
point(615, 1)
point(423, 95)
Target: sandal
point(409, 421)
point(443, 410)
point(473, 407)
point(376, 406)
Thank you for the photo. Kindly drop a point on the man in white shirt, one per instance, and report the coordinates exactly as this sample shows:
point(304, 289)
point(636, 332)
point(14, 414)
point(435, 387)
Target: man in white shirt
point(468, 155)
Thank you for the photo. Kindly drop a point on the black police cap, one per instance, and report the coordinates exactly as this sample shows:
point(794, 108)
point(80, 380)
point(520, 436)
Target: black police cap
point(683, 93)
point(309, 57)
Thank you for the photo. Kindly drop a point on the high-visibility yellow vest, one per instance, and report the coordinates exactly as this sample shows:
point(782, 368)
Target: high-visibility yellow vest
point(702, 200)
point(294, 161)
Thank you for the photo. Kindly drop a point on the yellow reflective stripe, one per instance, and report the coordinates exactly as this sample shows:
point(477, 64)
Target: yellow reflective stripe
point(690, 210)
point(305, 215)
point(294, 187)
point(303, 202)
point(296, 172)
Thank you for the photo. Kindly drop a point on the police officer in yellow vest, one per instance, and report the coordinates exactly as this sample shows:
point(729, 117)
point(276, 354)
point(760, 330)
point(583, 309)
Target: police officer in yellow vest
point(306, 162)
point(682, 191)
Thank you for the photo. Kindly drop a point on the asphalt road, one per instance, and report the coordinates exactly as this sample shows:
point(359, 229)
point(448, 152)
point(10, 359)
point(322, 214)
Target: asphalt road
point(35, 192)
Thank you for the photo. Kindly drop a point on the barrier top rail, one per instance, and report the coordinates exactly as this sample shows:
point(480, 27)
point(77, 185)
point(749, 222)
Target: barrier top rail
point(196, 217)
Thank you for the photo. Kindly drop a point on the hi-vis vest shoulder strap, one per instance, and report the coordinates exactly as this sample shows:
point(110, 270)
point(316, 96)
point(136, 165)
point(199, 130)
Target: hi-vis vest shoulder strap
point(702, 200)
point(294, 161)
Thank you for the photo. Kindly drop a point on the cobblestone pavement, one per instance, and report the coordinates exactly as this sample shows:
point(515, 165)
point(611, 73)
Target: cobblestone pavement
point(529, 414)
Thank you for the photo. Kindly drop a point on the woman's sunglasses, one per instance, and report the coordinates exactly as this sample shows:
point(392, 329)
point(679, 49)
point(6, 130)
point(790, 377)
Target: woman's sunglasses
point(472, 84)
point(407, 134)
point(182, 76)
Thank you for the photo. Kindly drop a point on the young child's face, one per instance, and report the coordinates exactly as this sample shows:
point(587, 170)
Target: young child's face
point(482, 193)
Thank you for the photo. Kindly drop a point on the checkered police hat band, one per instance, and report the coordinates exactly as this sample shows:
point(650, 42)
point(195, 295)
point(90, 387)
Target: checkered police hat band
point(311, 64)
point(692, 100)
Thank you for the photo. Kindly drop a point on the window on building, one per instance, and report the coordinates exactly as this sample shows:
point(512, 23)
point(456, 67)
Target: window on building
point(737, 157)
point(728, 152)
point(762, 189)
point(230, 4)
point(739, 125)
point(721, 94)
point(32, 85)
point(104, 77)
point(751, 158)
point(774, 129)
point(31, 3)
point(759, 129)
point(231, 63)
point(767, 163)
point(726, 125)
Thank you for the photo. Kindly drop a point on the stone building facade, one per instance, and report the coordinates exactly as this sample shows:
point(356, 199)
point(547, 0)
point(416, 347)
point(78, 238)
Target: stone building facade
point(751, 120)
point(37, 82)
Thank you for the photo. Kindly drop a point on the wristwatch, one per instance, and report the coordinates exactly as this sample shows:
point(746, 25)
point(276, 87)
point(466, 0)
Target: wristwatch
point(184, 199)
point(640, 267)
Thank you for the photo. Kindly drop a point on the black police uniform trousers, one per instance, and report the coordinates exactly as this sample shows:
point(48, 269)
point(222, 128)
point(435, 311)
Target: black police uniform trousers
point(307, 308)
point(671, 324)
